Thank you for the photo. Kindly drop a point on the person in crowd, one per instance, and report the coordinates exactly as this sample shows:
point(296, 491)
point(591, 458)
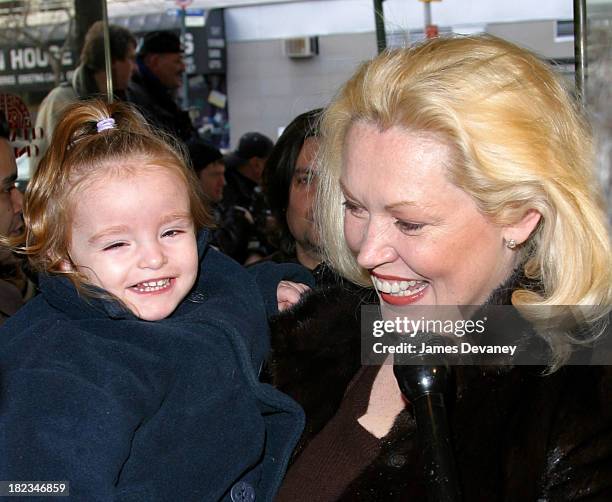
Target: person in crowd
point(246, 165)
point(207, 162)
point(134, 373)
point(289, 181)
point(14, 285)
point(243, 203)
point(89, 78)
point(331, 311)
point(160, 69)
point(460, 172)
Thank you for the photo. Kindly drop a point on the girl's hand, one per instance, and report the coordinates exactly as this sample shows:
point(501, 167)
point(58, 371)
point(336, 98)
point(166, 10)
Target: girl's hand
point(288, 294)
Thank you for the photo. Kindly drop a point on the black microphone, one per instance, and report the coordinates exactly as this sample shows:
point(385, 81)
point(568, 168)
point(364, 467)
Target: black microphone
point(425, 385)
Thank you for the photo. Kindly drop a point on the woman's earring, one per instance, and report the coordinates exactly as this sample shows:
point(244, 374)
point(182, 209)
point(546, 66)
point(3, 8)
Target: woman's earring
point(511, 244)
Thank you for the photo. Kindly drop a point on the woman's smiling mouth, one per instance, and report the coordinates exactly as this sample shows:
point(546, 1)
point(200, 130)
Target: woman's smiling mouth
point(398, 291)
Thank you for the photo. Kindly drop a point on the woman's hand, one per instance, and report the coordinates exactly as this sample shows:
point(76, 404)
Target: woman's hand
point(289, 293)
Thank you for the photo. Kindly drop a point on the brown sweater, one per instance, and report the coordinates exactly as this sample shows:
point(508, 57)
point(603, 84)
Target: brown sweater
point(337, 455)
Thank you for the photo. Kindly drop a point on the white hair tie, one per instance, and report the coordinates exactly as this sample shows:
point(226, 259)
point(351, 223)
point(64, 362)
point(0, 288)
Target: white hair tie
point(104, 124)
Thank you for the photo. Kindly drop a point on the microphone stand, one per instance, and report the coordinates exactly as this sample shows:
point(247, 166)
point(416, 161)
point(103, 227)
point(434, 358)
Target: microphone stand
point(424, 387)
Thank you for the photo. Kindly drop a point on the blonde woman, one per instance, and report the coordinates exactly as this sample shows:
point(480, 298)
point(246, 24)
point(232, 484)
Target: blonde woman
point(460, 172)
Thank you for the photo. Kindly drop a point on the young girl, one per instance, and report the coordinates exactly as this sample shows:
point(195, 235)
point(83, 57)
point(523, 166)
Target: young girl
point(133, 375)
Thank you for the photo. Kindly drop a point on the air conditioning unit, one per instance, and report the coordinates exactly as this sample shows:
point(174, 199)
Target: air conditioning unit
point(301, 47)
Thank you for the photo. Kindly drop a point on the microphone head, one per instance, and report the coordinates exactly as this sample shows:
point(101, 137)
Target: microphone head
point(418, 381)
point(422, 373)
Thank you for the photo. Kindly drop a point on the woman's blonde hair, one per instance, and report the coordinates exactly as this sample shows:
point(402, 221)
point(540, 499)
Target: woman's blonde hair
point(79, 154)
point(521, 143)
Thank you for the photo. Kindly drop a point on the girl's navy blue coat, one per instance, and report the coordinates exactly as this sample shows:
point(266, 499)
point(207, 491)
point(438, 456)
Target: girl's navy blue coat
point(130, 410)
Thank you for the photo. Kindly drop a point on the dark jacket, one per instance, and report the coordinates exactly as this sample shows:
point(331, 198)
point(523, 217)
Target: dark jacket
point(239, 190)
point(10, 300)
point(15, 286)
point(126, 409)
point(517, 435)
point(157, 104)
point(240, 234)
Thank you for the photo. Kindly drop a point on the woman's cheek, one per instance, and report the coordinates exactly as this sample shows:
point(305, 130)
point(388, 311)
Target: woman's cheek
point(353, 232)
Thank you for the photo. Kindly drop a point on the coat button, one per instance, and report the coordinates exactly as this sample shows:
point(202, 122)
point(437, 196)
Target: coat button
point(196, 297)
point(396, 460)
point(242, 492)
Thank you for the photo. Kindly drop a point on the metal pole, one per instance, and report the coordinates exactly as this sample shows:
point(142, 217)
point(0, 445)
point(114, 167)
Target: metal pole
point(379, 19)
point(183, 38)
point(427, 15)
point(580, 48)
point(107, 54)
point(430, 30)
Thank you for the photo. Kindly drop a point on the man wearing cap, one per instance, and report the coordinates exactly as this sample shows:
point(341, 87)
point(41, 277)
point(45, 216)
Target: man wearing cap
point(207, 162)
point(234, 223)
point(245, 168)
point(160, 68)
point(234, 229)
point(243, 201)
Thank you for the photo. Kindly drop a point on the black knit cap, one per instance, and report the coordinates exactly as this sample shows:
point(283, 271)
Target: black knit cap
point(202, 154)
point(254, 144)
point(160, 42)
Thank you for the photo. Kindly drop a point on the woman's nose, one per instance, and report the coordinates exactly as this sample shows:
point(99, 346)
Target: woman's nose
point(376, 246)
point(152, 256)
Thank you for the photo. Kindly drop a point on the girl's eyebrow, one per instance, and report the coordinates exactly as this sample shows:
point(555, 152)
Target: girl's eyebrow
point(175, 217)
point(116, 229)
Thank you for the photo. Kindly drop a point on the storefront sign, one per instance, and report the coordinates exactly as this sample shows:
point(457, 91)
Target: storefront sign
point(28, 67)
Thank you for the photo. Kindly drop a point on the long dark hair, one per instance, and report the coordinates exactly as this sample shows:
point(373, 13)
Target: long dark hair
point(280, 167)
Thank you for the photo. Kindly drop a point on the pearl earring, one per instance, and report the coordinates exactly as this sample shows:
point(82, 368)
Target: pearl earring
point(511, 244)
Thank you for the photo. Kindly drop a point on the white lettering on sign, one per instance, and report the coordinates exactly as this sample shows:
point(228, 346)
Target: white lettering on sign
point(16, 59)
point(8, 80)
point(29, 58)
point(33, 78)
point(66, 56)
point(188, 46)
point(216, 42)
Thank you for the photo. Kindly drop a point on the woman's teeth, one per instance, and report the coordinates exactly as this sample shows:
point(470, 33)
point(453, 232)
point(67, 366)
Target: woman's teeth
point(399, 288)
point(147, 287)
